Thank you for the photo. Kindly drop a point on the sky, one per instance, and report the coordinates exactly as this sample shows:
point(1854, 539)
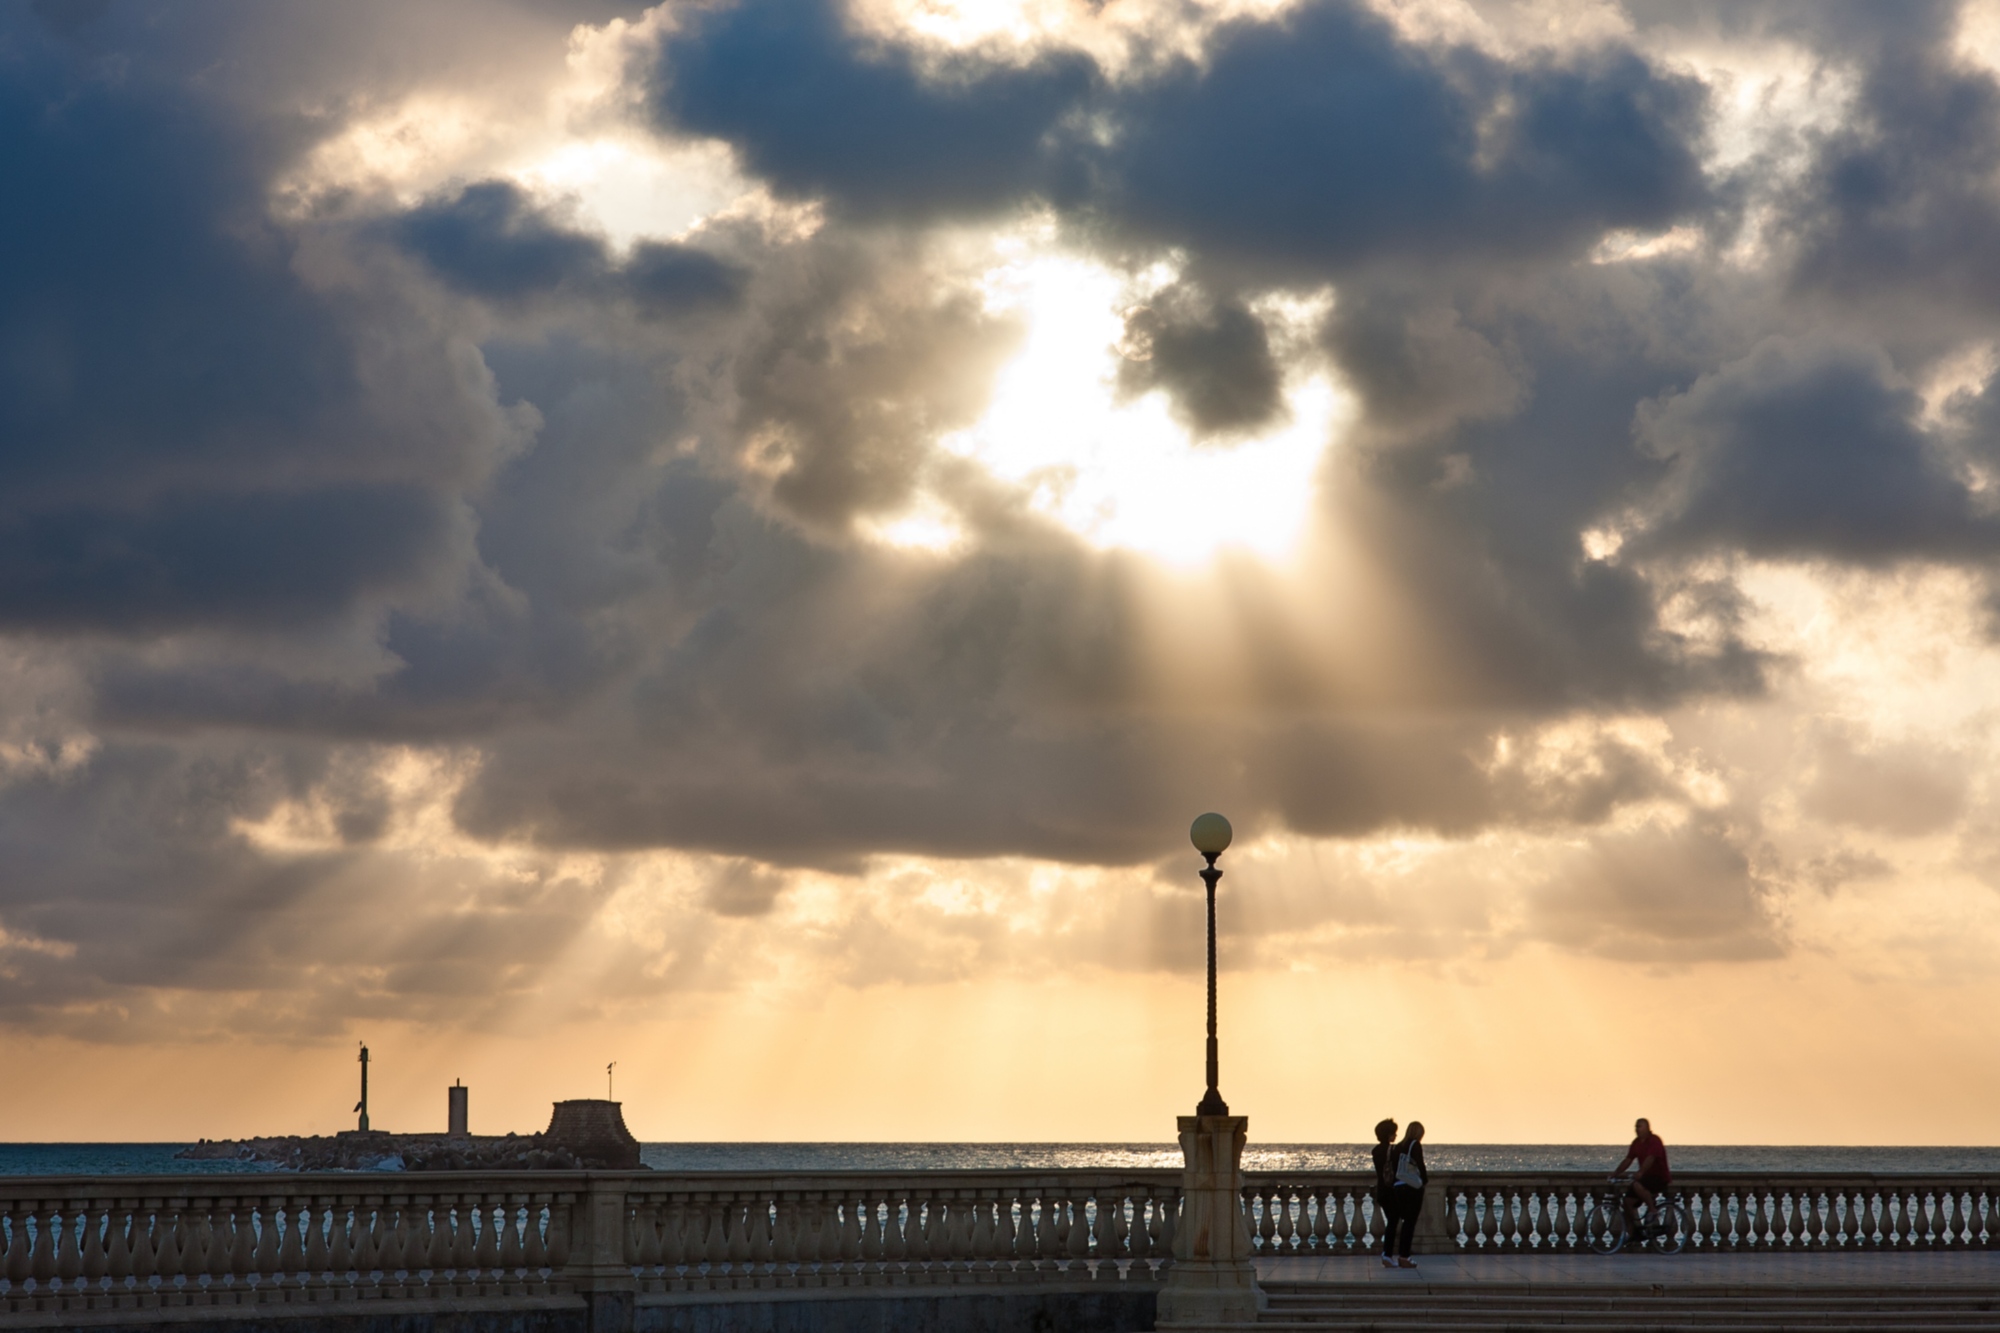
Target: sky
point(735, 537)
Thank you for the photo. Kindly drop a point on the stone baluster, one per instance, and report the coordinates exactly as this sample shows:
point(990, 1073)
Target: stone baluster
point(782, 1250)
point(559, 1234)
point(736, 1233)
point(464, 1240)
point(1286, 1235)
point(972, 1239)
point(486, 1248)
point(872, 1222)
point(191, 1240)
point(194, 1234)
point(93, 1260)
point(675, 1229)
point(118, 1224)
point(1484, 1217)
point(42, 1261)
point(1079, 1232)
point(181, 1256)
point(1102, 1208)
point(310, 1237)
point(1854, 1230)
point(1012, 1241)
point(703, 1235)
point(819, 1236)
point(218, 1244)
point(960, 1217)
point(644, 1248)
point(434, 1216)
point(343, 1224)
point(534, 1246)
point(18, 1263)
point(69, 1262)
point(145, 1260)
point(506, 1220)
point(1051, 1232)
point(393, 1235)
point(273, 1220)
point(850, 1235)
point(239, 1257)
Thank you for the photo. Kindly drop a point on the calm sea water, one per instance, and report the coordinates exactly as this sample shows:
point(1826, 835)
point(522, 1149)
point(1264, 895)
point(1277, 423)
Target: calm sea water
point(93, 1159)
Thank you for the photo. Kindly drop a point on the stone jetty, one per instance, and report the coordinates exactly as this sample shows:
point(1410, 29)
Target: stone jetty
point(586, 1134)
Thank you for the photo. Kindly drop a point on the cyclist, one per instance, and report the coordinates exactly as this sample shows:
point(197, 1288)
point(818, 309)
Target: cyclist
point(1654, 1175)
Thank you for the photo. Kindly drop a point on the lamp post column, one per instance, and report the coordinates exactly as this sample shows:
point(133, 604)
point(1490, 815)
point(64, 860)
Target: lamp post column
point(1211, 1280)
point(1211, 1101)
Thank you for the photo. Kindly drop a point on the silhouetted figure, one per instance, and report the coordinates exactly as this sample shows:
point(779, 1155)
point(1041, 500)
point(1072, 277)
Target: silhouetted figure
point(1408, 1177)
point(1654, 1175)
point(1385, 1175)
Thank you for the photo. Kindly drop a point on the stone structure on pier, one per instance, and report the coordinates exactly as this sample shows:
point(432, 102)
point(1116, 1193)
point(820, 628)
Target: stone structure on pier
point(594, 1128)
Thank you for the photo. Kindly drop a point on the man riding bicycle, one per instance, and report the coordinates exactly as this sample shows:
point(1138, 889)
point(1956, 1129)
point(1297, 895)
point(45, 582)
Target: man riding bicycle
point(1654, 1176)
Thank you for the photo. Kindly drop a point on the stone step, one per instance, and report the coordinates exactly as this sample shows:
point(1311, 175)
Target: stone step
point(1625, 1308)
point(1420, 1323)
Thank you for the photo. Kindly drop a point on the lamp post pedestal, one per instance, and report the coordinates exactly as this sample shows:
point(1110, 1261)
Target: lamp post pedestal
point(1211, 1280)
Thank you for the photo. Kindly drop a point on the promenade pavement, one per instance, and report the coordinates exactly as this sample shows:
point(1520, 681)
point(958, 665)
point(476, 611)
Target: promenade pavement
point(1917, 1268)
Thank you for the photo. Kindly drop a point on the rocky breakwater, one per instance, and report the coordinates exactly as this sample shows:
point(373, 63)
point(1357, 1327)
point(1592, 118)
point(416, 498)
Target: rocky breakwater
point(582, 1135)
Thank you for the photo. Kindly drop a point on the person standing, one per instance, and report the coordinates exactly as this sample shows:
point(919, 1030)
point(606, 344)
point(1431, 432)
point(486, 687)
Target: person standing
point(1408, 1177)
point(1385, 1174)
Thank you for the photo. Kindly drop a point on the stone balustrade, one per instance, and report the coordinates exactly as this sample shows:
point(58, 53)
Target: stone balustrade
point(553, 1239)
point(139, 1243)
point(1293, 1213)
point(758, 1232)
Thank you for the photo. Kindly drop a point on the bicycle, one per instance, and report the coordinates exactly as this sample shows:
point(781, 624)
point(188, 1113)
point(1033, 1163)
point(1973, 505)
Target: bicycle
point(1663, 1224)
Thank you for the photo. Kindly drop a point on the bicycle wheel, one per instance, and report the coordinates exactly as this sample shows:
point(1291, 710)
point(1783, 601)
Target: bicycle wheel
point(1671, 1236)
point(1604, 1226)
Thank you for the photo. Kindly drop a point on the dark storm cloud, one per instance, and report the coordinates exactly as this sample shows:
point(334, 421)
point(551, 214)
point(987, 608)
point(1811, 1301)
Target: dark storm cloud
point(816, 109)
point(491, 240)
point(189, 434)
point(259, 558)
point(1212, 357)
point(1317, 139)
point(1809, 450)
point(1900, 199)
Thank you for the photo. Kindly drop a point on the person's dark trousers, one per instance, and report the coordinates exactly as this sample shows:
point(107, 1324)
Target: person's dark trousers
point(1404, 1205)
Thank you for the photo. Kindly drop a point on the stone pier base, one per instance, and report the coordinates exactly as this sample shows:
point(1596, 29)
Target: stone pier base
point(1212, 1280)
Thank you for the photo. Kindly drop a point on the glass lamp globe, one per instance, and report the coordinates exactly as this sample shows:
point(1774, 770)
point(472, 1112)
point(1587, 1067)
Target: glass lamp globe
point(1211, 834)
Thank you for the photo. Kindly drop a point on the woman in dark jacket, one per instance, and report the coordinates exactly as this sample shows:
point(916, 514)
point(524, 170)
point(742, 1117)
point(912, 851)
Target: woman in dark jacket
point(1385, 1170)
point(1408, 1175)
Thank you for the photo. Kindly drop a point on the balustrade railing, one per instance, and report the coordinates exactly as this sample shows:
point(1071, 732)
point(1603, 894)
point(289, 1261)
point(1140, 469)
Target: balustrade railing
point(145, 1243)
point(1491, 1212)
point(876, 1229)
point(136, 1243)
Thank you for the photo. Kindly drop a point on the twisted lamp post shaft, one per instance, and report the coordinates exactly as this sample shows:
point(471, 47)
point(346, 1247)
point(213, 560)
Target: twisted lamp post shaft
point(1211, 1101)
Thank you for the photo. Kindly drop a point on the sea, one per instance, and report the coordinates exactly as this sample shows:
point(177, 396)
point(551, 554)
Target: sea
point(111, 1159)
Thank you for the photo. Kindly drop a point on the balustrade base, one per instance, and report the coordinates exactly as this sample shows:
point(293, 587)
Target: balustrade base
point(1201, 1291)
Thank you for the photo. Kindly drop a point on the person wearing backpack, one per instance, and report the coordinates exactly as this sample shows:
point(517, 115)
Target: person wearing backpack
point(1408, 1177)
point(1385, 1171)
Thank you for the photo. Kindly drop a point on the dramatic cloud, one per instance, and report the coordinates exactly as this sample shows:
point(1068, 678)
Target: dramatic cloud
point(512, 514)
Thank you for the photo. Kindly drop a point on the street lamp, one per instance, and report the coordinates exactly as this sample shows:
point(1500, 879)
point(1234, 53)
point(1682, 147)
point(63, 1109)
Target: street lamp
point(1211, 835)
